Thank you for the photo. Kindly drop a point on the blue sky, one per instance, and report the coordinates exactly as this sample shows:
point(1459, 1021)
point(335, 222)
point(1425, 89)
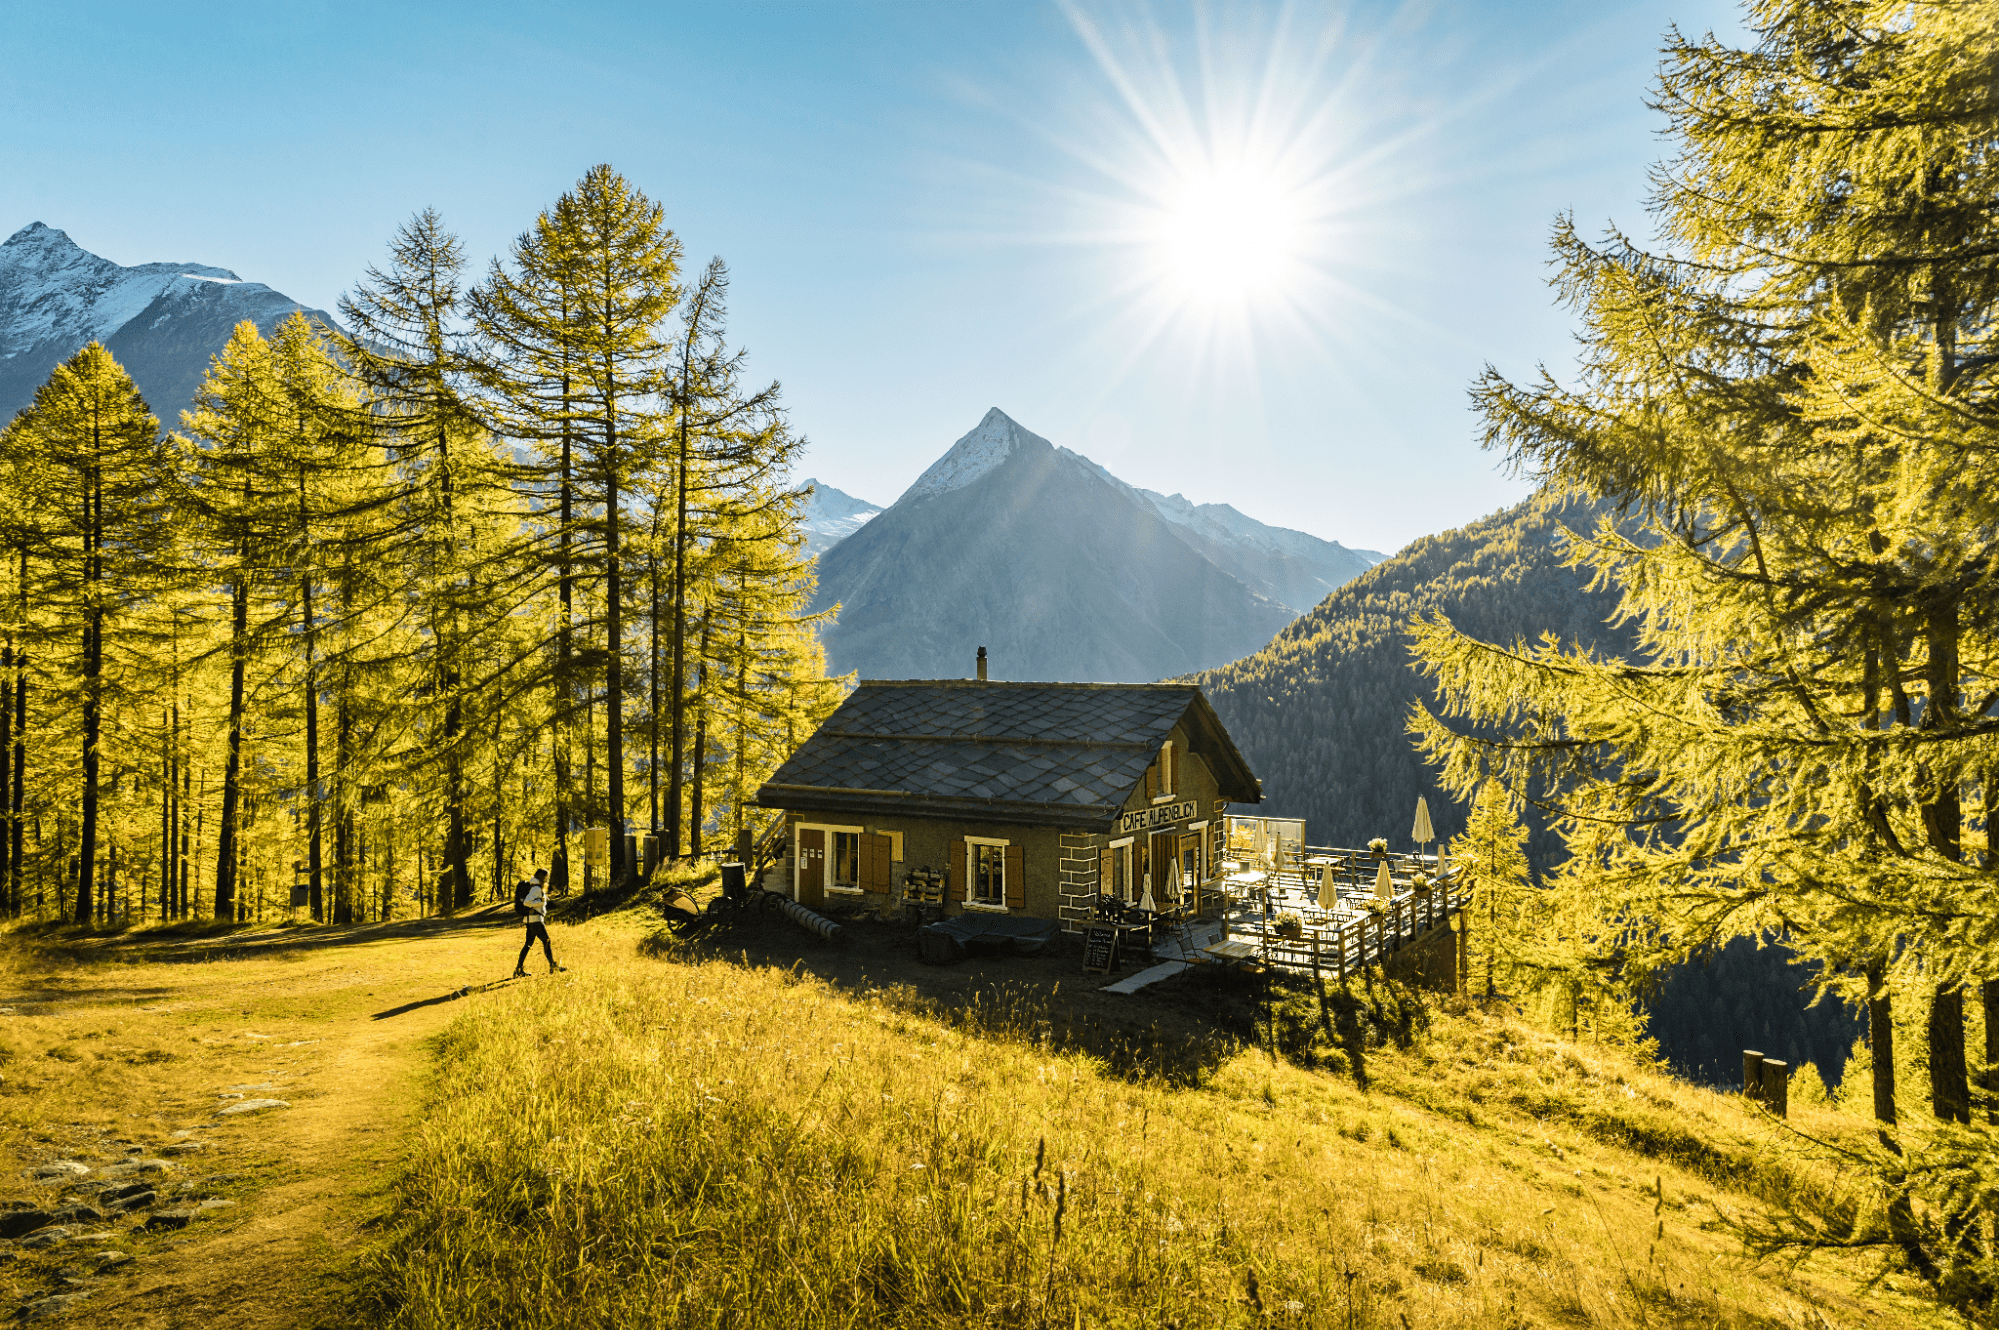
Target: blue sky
point(932, 209)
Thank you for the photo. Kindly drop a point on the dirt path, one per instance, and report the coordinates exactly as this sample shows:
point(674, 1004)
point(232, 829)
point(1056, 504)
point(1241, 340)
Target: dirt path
point(119, 1050)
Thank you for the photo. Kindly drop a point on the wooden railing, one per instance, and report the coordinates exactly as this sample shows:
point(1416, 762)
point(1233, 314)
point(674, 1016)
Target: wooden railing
point(1351, 938)
point(1363, 929)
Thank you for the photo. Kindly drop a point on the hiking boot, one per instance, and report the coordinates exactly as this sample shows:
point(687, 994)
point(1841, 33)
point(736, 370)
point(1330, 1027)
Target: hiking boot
point(520, 973)
point(553, 969)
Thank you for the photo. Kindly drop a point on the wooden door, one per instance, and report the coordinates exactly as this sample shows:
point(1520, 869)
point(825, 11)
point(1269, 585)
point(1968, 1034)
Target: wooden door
point(811, 868)
point(1191, 867)
point(1165, 867)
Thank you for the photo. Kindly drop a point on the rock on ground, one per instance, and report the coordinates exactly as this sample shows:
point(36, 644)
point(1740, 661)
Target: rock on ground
point(53, 1306)
point(180, 1217)
point(251, 1106)
point(14, 1224)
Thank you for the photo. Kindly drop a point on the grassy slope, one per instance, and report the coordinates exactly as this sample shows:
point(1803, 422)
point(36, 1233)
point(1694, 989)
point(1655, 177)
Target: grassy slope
point(699, 1142)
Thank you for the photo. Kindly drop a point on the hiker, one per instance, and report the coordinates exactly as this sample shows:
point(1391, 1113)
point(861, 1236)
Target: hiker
point(531, 900)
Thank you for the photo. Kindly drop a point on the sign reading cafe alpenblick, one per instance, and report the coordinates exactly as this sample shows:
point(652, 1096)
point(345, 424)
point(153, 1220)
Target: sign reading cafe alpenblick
point(1159, 815)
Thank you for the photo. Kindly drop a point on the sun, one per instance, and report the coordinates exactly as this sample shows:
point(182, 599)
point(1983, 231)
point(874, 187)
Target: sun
point(1225, 168)
point(1226, 233)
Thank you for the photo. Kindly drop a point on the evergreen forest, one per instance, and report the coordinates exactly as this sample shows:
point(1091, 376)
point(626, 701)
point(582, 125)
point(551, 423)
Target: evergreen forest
point(403, 607)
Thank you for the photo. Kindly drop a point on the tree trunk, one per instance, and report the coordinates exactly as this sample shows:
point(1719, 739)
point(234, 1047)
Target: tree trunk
point(1881, 1049)
point(459, 890)
point(177, 826)
point(16, 831)
point(499, 793)
point(315, 802)
point(1988, 997)
point(93, 698)
point(565, 688)
point(8, 894)
point(1950, 1089)
point(225, 832)
point(696, 813)
point(676, 678)
point(652, 678)
point(343, 825)
point(614, 671)
point(166, 816)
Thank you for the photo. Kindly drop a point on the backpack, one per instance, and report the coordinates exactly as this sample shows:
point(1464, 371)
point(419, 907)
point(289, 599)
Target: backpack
point(521, 890)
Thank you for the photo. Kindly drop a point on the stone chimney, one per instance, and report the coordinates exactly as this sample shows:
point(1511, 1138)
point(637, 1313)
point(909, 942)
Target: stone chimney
point(982, 665)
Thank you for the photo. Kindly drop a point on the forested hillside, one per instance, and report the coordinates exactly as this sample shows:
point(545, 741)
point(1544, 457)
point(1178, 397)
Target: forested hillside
point(1322, 711)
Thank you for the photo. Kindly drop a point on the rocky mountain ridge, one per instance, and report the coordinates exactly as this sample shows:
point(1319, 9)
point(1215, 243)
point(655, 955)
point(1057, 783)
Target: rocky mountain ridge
point(161, 320)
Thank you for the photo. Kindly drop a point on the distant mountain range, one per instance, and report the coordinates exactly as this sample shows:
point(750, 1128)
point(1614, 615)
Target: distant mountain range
point(161, 320)
point(1059, 568)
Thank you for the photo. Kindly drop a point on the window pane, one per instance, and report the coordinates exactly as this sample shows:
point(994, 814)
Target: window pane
point(989, 875)
point(846, 859)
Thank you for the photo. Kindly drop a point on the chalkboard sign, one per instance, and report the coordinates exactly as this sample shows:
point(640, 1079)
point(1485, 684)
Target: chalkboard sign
point(1100, 948)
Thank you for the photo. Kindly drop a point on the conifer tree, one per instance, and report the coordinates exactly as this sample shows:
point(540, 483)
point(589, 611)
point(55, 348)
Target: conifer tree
point(1491, 857)
point(588, 304)
point(405, 344)
point(239, 489)
point(731, 448)
point(1795, 393)
point(93, 469)
point(528, 316)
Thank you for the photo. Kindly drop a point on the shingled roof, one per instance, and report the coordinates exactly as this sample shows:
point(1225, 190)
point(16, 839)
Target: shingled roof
point(1066, 755)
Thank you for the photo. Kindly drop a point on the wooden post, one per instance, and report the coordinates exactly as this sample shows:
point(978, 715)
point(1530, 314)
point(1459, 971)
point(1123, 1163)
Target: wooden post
point(1777, 1086)
point(1752, 1074)
point(1464, 950)
point(1340, 947)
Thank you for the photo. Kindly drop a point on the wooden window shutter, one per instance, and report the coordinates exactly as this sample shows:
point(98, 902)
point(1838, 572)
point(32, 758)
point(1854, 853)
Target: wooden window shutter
point(864, 860)
point(1106, 876)
point(1172, 770)
point(1016, 878)
point(883, 858)
point(954, 872)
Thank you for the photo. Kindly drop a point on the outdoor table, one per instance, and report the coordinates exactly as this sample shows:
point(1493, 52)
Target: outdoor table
point(1235, 949)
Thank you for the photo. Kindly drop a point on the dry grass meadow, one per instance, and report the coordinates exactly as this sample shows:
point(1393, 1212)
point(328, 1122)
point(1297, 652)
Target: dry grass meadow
point(669, 1137)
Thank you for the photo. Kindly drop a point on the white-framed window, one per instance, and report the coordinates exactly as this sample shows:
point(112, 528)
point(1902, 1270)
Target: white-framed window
point(985, 873)
point(1120, 884)
point(843, 869)
point(843, 857)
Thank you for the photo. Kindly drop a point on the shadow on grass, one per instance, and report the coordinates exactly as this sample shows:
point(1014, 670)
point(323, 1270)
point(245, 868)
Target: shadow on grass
point(465, 992)
point(1179, 1030)
point(209, 940)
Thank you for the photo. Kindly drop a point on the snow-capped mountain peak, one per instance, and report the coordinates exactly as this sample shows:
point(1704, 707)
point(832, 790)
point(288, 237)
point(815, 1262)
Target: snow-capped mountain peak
point(161, 320)
point(991, 442)
point(831, 515)
point(51, 287)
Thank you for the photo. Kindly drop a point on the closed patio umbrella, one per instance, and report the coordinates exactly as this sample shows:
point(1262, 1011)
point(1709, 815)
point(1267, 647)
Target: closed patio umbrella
point(1384, 885)
point(1329, 895)
point(1421, 834)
